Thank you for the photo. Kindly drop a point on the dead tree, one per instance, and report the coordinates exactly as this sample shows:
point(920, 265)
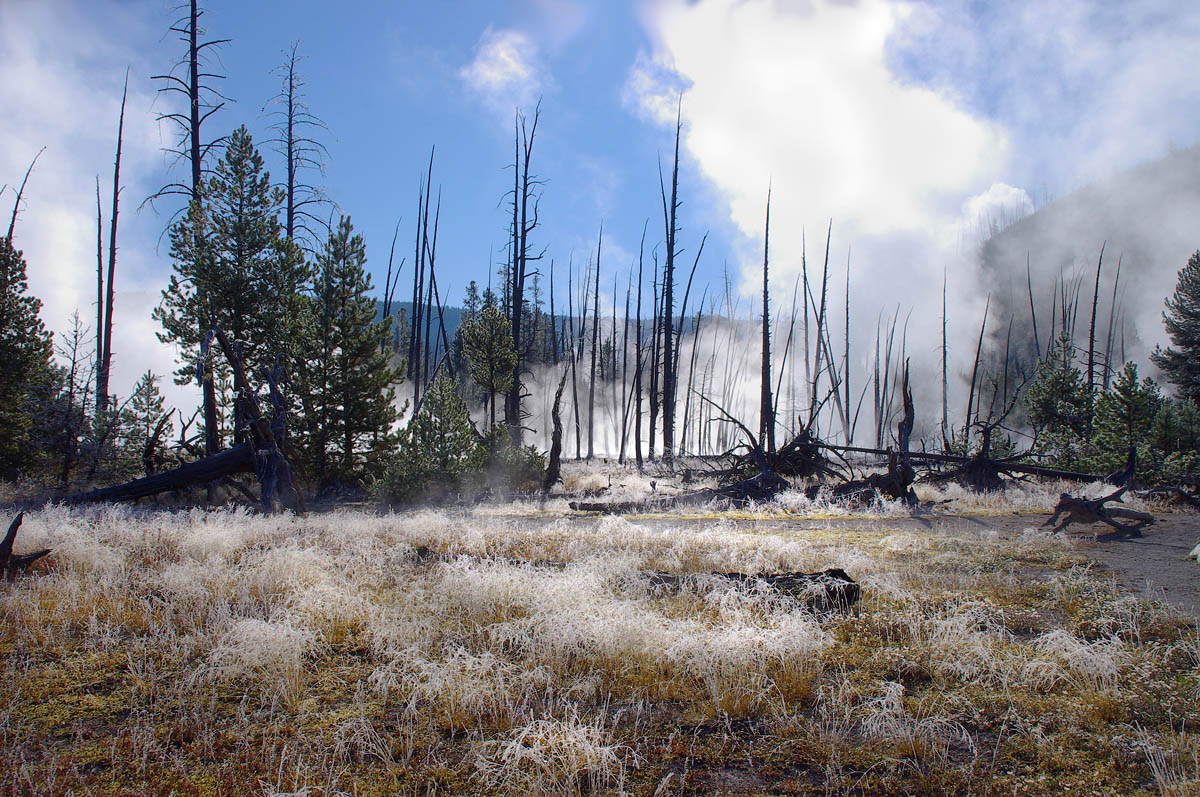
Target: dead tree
point(105, 312)
point(294, 126)
point(203, 101)
point(595, 346)
point(526, 200)
point(766, 408)
point(554, 464)
point(670, 221)
point(1093, 510)
point(12, 564)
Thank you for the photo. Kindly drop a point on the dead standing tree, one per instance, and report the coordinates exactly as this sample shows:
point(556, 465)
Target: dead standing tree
point(104, 310)
point(526, 199)
point(203, 102)
point(293, 126)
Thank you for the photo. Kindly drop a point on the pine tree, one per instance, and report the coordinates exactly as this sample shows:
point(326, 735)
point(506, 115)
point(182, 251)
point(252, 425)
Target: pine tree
point(347, 389)
point(1057, 404)
point(235, 269)
point(488, 346)
point(1123, 419)
point(146, 409)
point(438, 449)
point(1181, 364)
point(25, 351)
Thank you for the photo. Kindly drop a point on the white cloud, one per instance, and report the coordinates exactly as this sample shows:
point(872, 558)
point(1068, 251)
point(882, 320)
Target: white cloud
point(802, 96)
point(507, 70)
point(60, 87)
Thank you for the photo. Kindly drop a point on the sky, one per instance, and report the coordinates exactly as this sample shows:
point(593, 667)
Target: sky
point(910, 126)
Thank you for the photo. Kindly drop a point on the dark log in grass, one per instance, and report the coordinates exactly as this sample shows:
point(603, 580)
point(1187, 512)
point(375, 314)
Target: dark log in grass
point(20, 563)
point(1093, 510)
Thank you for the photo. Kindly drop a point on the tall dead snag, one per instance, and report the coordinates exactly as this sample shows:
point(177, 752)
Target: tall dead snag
point(975, 375)
point(638, 358)
point(670, 221)
point(203, 101)
point(421, 244)
point(766, 423)
point(104, 314)
point(293, 127)
point(9, 563)
point(525, 220)
point(595, 347)
point(1091, 366)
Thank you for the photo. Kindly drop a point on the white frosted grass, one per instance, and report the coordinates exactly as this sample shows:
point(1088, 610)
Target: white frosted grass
point(1061, 657)
point(552, 755)
point(270, 652)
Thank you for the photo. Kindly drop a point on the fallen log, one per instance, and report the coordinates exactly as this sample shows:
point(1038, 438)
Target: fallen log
point(1093, 510)
point(11, 564)
point(824, 591)
point(828, 590)
point(763, 487)
point(239, 459)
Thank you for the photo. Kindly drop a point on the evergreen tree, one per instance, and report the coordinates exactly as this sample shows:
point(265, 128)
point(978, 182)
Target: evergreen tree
point(234, 268)
point(1123, 419)
point(488, 347)
point(146, 409)
point(1057, 404)
point(1181, 364)
point(347, 389)
point(25, 351)
point(438, 449)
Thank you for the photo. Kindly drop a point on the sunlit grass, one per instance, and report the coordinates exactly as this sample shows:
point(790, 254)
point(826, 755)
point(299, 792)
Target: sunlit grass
point(227, 651)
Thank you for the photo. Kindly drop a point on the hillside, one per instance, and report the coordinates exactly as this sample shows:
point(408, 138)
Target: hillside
point(1148, 217)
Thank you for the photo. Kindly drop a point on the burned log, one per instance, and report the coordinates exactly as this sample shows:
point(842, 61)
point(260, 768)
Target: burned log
point(1093, 510)
point(824, 591)
point(10, 563)
point(238, 459)
point(758, 489)
point(829, 590)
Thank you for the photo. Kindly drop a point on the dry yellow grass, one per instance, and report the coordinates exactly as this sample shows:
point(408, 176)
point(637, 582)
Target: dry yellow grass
point(225, 652)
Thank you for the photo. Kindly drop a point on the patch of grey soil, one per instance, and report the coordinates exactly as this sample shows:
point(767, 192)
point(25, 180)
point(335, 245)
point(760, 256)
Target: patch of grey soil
point(1154, 565)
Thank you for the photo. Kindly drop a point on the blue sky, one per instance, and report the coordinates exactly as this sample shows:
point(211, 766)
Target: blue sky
point(907, 123)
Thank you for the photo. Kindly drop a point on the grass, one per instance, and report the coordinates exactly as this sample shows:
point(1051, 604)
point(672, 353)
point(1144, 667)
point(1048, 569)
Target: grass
point(222, 652)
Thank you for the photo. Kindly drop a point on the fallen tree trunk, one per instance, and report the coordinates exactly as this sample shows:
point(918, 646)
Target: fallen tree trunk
point(821, 592)
point(763, 487)
point(11, 564)
point(1093, 510)
point(824, 591)
point(239, 459)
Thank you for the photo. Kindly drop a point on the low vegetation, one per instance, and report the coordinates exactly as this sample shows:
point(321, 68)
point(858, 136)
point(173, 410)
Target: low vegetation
point(227, 652)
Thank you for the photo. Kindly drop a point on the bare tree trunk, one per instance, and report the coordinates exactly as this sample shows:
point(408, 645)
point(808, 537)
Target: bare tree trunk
point(766, 407)
point(1108, 369)
point(1091, 367)
point(637, 374)
point(102, 367)
point(672, 228)
point(595, 343)
point(522, 226)
point(975, 376)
